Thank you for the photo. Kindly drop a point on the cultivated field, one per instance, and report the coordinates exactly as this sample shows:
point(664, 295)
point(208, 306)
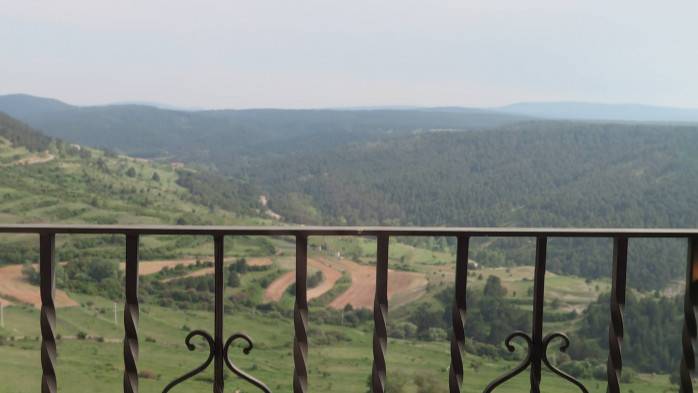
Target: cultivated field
point(278, 287)
point(403, 287)
point(13, 287)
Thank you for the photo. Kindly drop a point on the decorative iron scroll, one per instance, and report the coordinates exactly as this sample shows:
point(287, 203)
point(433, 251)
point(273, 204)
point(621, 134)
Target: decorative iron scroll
point(235, 369)
point(528, 360)
point(211, 355)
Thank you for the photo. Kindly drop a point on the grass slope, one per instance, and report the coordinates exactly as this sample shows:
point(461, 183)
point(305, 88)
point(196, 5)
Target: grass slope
point(95, 364)
point(72, 185)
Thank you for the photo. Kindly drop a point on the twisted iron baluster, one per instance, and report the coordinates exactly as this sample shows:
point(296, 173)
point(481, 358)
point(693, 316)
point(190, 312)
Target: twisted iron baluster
point(688, 359)
point(380, 317)
point(192, 347)
point(563, 348)
point(131, 316)
point(455, 374)
point(218, 288)
point(537, 321)
point(235, 369)
point(47, 272)
point(614, 366)
point(300, 318)
point(518, 369)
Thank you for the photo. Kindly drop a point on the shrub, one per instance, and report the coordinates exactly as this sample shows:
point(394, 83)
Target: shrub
point(148, 374)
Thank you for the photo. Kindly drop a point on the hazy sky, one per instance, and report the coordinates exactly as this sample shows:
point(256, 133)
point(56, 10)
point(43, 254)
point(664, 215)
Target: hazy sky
point(324, 53)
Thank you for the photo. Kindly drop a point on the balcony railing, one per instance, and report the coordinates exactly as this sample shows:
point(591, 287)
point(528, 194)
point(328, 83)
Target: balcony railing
point(537, 344)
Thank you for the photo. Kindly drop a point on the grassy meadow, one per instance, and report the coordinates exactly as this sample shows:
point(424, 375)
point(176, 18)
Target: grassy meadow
point(94, 364)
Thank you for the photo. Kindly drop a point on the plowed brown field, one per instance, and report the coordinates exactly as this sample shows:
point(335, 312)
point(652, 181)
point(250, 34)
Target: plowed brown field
point(15, 287)
point(276, 289)
point(403, 287)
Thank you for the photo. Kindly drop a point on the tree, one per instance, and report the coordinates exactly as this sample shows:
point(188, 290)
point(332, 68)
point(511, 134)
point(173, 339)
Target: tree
point(131, 172)
point(101, 269)
point(233, 279)
point(429, 383)
point(395, 382)
point(156, 177)
point(494, 288)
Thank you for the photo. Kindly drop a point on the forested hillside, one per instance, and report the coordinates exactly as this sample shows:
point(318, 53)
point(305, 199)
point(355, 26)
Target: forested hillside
point(531, 174)
point(20, 134)
point(230, 137)
point(443, 166)
point(534, 174)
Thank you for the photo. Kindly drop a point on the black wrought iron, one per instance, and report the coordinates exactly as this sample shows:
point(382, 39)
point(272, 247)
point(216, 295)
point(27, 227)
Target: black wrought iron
point(523, 365)
point(235, 369)
point(380, 317)
point(529, 359)
point(191, 347)
point(614, 366)
point(538, 303)
point(300, 318)
point(47, 270)
point(537, 345)
point(687, 368)
point(565, 344)
point(218, 351)
point(455, 373)
point(131, 316)
point(218, 256)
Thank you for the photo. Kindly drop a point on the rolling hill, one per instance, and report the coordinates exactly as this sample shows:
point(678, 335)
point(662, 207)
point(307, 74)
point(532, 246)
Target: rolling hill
point(530, 174)
point(603, 112)
point(435, 166)
point(47, 180)
point(225, 137)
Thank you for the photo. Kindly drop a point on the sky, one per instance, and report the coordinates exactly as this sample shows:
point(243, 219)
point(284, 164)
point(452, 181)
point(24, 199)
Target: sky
point(326, 53)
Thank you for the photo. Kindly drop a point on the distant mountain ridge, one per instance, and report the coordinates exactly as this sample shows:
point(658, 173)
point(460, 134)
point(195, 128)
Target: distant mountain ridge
point(22, 105)
point(601, 112)
point(222, 136)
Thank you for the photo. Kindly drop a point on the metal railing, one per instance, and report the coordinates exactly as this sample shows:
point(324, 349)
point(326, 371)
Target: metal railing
point(537, 344)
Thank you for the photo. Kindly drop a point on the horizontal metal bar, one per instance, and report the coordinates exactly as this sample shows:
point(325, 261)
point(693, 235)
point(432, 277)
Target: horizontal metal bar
point(349, 231)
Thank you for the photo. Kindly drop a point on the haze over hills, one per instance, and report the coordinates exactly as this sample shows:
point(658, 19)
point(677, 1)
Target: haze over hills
point(370, 167)
point(223, 136)
point(597, 111)
point(23, 105)
point(529, 173)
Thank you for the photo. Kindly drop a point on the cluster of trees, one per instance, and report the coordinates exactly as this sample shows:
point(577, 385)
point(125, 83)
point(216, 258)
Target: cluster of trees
point(491, 317)
point(652, 333)
point(214, 190)
point(313, 280)
point(100, 277)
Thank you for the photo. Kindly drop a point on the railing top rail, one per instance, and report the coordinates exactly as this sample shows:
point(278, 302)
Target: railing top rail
point(348, 231)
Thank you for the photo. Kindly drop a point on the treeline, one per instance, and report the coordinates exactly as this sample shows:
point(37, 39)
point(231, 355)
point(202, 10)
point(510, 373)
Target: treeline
point(530, 174)
point(491, 318)
point(652, 333)
point(20, 134)
point(229, 138)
